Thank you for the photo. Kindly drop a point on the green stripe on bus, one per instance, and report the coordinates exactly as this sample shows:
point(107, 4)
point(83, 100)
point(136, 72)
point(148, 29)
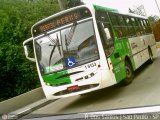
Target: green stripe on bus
point(97, 7)
point(57, 79)
point(123, 49)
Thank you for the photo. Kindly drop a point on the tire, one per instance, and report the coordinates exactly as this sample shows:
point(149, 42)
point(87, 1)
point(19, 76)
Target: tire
point(129, 74)
point(150, 56)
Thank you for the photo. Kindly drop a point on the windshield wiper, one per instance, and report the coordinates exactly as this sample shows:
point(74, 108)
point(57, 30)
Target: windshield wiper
point(71, 33)
point(58, 45)
point(55, 43)
point(70, 36)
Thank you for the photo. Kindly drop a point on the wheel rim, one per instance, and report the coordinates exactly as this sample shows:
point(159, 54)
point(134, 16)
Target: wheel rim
point(128, 72)
point(151, 57)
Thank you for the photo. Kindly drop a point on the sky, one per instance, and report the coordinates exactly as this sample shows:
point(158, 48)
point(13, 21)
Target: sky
point(124, 5)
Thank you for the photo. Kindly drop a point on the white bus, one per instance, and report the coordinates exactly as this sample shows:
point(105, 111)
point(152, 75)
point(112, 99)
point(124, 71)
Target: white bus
point(87, 48)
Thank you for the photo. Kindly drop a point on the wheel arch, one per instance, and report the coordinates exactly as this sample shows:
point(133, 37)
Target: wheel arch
point(150, 50)
point(128, 59)
point(128, 79)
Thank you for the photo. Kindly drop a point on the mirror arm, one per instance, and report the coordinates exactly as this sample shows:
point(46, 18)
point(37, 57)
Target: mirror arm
point(26, 49)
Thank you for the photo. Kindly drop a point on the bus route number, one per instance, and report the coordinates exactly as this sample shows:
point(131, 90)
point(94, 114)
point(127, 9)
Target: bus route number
point(90, 65)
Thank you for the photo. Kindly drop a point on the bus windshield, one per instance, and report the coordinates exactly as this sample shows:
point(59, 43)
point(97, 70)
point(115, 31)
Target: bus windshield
point(69, 47)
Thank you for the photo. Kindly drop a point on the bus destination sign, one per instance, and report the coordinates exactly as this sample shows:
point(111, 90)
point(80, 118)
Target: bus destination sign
point(55, 22)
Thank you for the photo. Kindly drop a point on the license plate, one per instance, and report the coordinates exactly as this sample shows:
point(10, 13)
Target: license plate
point(73, 88)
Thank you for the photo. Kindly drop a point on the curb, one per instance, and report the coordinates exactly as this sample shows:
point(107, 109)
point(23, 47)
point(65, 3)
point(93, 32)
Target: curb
point(28, 109)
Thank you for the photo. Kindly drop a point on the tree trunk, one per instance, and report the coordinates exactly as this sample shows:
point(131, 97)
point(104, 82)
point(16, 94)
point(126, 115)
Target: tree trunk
point(62, 4)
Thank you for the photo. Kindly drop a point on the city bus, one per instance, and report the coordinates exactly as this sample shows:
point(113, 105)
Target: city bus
point(87, 48)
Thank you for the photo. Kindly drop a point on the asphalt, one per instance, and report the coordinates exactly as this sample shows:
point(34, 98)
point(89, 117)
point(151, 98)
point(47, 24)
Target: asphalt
point(144, 91)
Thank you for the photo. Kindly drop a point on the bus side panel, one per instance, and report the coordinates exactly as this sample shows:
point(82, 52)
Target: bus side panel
point(117, 59)
point(139, 47)
point(147, 42)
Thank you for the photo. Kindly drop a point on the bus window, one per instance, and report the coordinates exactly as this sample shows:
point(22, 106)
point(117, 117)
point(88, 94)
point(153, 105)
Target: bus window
point(106, 37)
point(87, 48)
point(123, 26)
point(102, 16)
point(113, 18)
point(140, 25)
point(121, 21)
point(148, 27)
point(133, 26)
point(130, 26)
point(143, 26)
point(117, 28)
point(120, 25)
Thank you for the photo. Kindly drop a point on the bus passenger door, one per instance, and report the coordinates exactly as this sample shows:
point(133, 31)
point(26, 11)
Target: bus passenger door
point(107, 39)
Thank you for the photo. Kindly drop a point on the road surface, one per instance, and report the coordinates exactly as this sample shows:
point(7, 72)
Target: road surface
point(144, 91)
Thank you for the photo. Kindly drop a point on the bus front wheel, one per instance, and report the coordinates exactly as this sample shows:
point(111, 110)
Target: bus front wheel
point(129, 74)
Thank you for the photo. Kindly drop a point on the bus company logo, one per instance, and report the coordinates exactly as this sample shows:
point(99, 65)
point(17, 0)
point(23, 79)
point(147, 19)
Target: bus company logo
point(134, 45)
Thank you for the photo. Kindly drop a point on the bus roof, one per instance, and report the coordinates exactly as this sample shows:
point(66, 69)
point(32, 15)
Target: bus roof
point(135, 15)
point(98, 7)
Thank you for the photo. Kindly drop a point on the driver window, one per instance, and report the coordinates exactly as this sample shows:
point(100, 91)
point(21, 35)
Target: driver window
point(105, 31)
point(106, 37)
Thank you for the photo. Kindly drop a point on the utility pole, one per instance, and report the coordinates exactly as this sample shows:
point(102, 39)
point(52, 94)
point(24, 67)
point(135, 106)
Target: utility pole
point(157, 6)
point(62, 4)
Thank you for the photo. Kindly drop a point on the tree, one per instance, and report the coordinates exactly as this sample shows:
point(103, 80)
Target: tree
point(17, 74)
point(155, 25)
point(62, 4)
point(65, 4)
point(73, 3)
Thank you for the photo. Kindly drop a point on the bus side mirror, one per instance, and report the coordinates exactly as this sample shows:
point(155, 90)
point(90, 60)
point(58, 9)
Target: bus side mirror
point(25, 43)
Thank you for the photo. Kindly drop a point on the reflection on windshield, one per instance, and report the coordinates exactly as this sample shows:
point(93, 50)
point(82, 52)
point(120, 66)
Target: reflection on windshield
point(69, 47)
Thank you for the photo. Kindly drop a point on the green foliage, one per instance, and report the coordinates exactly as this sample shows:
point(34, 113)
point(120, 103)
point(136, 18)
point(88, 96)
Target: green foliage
point(153, 19)
point(17, 74)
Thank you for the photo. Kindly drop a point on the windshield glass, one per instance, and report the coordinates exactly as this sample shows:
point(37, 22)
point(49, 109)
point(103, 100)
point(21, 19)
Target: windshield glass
point(69, 47)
